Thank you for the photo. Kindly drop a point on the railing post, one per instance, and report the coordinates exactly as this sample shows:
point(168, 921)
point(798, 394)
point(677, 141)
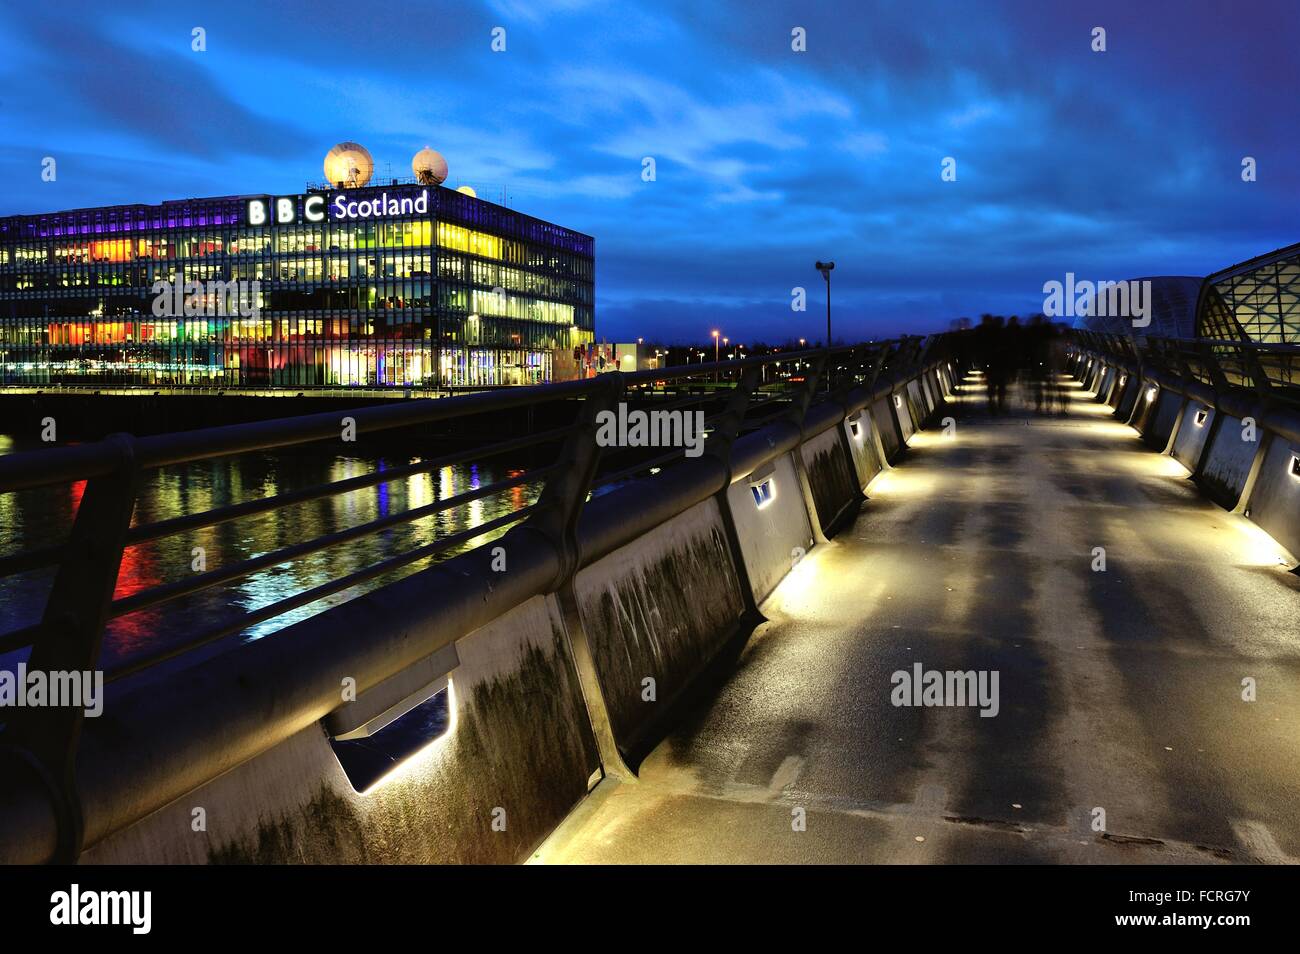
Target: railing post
point(845, 446)
point(877, 441)
point(797, 413)
point(1142, 365)
point(1185, 370)
point(566, 489)
point(1219, 382)
point(726, 430)
point(72, 632)
point(1264, 390)
point(564, 495)
point(903, 349)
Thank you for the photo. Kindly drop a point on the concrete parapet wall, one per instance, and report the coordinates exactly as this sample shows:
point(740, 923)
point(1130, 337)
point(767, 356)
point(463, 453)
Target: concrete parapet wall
point(1191, 438)
point(657, 570)
point(1227, 465)
point(1128, 396)
point(830, 475)
point(902, 411)
point(866, 461)
point(769, 536)
point(659, 607)
point(1091, 370)
point(1159, 421)
point(882, 415)
point(916, 409)
point(1221, 450)
point(1108, 378)
point(1275, 498)
point(1143, 413)
point(1117, 390)
point(928, 399)
point(519, 742)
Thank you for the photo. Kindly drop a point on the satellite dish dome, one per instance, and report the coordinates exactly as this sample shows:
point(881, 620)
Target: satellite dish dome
point(429, 166)
point(349, 164)
point(467, 190)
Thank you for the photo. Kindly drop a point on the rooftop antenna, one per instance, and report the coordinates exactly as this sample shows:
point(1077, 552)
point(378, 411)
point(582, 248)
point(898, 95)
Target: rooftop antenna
point(348, 164)
point(429, 166)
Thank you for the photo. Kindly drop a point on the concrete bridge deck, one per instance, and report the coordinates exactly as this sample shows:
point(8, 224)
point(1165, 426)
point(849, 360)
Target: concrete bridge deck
point(1119, 690)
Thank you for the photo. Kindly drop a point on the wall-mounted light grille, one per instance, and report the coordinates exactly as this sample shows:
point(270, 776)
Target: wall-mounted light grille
point(1295, 467)
point(388, 724)
point(898, 400)
point(1202, 416)
point(763, 491)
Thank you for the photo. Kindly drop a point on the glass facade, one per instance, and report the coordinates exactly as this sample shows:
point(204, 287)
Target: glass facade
point(1259, 299)
point(335, 289)
point(1171, 310)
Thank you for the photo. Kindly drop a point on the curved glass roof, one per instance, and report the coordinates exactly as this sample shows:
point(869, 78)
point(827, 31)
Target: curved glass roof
point(1257, 299)
point(1173, 310)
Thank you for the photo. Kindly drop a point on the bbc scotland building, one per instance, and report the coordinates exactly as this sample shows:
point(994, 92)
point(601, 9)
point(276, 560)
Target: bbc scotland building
point(404, 285)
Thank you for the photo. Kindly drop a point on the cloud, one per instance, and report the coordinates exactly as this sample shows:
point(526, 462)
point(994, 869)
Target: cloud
point(1116, 164)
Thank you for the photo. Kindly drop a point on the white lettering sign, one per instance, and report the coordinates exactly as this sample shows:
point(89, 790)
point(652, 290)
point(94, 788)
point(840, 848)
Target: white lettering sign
point(345, 206)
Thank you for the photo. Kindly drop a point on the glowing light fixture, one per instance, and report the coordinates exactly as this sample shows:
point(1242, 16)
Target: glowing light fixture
point(763, 491)
point(1202, 416)
point(1152, 392)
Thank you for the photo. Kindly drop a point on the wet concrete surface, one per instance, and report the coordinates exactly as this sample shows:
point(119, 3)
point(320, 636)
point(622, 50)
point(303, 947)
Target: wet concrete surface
point(1120, 690)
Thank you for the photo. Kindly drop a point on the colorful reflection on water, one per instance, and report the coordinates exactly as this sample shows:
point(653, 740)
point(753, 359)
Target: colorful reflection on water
point(40, 517)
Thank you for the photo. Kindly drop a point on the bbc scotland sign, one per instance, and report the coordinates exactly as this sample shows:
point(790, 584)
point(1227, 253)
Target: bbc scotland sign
point(283, 210)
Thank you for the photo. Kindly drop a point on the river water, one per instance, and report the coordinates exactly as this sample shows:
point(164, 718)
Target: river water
point(43, 516)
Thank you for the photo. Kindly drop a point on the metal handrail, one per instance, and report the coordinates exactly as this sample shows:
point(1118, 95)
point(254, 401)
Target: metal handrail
point(208, 518)
point(547, 550)
point(166, 592)
point(33, 469)
point(1273, 404)
point(243, 621)
point(47, 466)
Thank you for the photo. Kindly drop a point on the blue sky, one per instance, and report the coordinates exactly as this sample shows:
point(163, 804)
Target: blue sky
point(1110, 165)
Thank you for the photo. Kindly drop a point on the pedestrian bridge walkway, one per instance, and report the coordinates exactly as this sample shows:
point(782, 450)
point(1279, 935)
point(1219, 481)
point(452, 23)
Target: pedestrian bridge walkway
point(1121, 733)
point(873, 621)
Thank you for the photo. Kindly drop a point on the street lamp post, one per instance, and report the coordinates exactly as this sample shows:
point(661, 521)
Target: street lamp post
point(825, 268)
point(715, 353)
